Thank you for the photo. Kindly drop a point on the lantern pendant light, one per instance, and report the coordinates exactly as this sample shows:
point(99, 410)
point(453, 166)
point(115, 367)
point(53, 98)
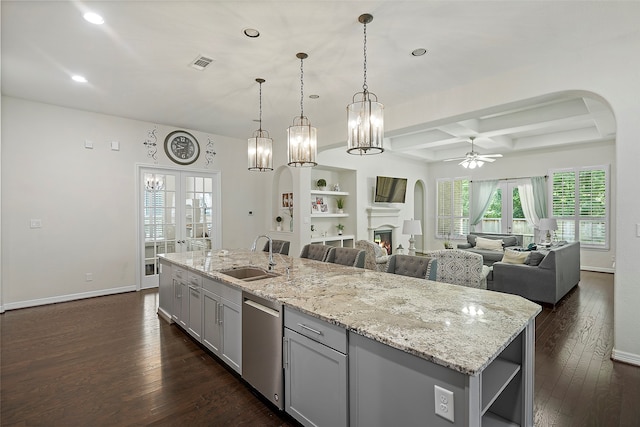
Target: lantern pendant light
point(260, 145)
point(301, 136)
point(365, 115)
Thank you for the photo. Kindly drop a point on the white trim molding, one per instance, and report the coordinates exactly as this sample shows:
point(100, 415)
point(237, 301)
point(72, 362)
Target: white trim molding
point(68, 297)
point(623, 356)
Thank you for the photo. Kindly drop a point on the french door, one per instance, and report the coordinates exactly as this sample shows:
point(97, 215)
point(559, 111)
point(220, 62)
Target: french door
point(179, 211)
point(505, 214)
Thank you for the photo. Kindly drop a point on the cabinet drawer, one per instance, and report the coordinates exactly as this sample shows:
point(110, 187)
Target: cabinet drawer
point(318, 330)
point(195, 279)
point(179, 273)
point(227, 292)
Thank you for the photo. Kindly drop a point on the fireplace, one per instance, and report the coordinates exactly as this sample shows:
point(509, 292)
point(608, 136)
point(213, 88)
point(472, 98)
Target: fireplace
point(384, 238)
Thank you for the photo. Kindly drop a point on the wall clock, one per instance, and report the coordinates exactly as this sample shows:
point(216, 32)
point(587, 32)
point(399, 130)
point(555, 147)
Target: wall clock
point(182, 147)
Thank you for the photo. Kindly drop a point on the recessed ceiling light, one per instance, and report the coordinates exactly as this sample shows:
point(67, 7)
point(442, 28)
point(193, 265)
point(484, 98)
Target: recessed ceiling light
point(78, 78)
point(94, 18)
point(251, 32)
point(419, 52)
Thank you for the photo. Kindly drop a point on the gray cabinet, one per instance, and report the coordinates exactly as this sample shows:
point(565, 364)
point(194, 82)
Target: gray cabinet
point(222, 322)
point(194, 316)
point(165, 291)
point(500, 395)
point(315, 369)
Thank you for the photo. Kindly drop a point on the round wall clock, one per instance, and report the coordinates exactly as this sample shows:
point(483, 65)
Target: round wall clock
point(182, 147)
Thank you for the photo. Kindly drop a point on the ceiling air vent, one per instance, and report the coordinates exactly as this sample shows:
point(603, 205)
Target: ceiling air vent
point(201, 62)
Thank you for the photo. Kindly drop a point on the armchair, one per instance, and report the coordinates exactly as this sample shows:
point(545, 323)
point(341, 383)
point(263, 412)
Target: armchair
point(375, 257)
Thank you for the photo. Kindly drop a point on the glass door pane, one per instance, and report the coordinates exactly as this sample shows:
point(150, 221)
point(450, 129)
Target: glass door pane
point(159, 218)
point(519, 224)
point(199, 212)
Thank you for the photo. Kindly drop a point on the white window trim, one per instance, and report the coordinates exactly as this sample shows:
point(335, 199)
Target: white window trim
point(452, 216)
point(577, 170)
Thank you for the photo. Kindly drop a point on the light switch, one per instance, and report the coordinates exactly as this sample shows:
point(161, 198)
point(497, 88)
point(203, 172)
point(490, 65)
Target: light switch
point(35, 223)
point(88, 144)
point(115, 146)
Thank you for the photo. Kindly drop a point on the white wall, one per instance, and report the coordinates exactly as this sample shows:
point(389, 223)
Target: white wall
point(368, 167)
point(535, 164)
point(86, 199)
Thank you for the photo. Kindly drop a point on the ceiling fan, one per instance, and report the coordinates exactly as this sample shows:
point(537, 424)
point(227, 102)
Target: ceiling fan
point(474, 159)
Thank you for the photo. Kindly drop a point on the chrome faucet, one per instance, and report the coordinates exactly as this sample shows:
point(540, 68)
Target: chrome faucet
point(272, 263)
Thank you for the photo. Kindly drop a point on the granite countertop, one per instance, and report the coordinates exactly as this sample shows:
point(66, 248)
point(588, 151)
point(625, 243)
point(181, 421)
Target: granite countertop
point(461, 328)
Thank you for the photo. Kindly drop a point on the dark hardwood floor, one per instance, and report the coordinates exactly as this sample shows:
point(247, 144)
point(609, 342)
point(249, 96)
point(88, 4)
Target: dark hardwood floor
point(111, 361)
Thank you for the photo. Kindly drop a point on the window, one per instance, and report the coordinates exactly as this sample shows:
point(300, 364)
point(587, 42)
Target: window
point(580, 200)
point(453, 208)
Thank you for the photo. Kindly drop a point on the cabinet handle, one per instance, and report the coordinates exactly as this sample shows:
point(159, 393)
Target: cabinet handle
point(315, 331)
point(285, 352)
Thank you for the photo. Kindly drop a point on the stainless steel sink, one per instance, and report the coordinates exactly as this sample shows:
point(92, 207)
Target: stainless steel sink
point(248, 274)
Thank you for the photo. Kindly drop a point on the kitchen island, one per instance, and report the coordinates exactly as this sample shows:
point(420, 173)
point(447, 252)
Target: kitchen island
point(406, 337)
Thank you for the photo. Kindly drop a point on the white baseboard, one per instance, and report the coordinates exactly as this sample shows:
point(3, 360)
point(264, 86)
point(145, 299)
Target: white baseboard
point(69, 297)
point(623, 356)
point(164, 315)
point(598, 269)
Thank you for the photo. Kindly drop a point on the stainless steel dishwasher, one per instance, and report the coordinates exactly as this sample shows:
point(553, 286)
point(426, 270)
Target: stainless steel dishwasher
point(262, 347)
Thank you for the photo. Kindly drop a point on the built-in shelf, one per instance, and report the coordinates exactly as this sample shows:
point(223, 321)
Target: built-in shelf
point(329, 215)
point(329, 193)
point(493, 420)
point(495, 378)
point(345, 240)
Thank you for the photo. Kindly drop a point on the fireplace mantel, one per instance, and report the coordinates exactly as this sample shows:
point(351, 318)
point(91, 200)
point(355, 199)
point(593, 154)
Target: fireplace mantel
point(382, 217)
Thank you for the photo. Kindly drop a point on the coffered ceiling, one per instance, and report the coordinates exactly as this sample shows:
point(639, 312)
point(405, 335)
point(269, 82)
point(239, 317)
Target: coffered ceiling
point(138, 64)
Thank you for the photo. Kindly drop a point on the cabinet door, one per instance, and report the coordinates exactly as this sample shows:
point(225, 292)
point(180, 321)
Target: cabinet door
point(211, 330)
point(183, 321)
point(165, 297)
point(195, 312)
point(232, 335)
point(176, 314)
point(315, 382)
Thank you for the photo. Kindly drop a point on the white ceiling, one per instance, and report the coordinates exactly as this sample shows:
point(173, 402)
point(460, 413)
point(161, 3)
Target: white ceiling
point(137, 63)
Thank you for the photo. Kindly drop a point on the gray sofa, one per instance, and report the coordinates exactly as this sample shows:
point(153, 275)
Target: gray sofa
point(547, 282)
point(489, 256)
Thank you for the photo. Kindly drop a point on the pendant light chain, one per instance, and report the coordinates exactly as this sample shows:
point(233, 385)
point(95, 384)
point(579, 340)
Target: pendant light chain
point(364, 50)
point(260, 123)
point(301, 88)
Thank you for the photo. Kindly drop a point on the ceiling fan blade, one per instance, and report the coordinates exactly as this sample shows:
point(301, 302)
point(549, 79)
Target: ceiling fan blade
point(491, 155)
point(486, 159)
point(454, 160)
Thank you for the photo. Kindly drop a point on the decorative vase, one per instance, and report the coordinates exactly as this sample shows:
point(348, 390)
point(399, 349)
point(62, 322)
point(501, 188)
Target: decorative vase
point(340, 211)
point(339, 232)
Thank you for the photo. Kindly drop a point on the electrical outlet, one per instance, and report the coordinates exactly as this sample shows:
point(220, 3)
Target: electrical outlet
point(444, 403)
point(88, 277)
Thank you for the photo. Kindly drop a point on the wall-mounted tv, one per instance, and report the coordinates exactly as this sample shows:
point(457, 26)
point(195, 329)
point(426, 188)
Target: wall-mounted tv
point(390, 190)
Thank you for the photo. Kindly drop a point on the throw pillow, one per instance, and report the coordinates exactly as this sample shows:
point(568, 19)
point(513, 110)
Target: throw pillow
point(534, 258)
point(471, 239)
point(490, 244)
point(510, 241)
point(514, 257)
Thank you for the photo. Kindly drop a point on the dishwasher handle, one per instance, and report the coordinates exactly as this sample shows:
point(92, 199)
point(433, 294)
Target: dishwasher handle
point(263, 308)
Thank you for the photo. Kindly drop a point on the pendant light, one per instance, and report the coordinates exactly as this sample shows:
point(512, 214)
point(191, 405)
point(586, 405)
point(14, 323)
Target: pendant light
point(301, 136)
point(365, 115)
point(260, 145)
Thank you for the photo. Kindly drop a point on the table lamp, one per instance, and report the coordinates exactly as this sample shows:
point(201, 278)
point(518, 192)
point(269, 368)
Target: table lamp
point(413, 228)
point(549, 224)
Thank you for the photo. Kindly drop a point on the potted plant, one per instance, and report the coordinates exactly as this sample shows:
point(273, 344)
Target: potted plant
point(279, 223)
point(340, 227)
point(447, 243)
point(321, 184)
point(340, 204)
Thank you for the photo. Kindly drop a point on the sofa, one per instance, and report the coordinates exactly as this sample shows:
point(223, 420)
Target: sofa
point(460, 267)
point(556, 274)
point(375, 258)
point(491, 255)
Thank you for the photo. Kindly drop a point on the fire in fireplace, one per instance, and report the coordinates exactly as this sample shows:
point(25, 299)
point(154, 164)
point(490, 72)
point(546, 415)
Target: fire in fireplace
point(384, 239)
